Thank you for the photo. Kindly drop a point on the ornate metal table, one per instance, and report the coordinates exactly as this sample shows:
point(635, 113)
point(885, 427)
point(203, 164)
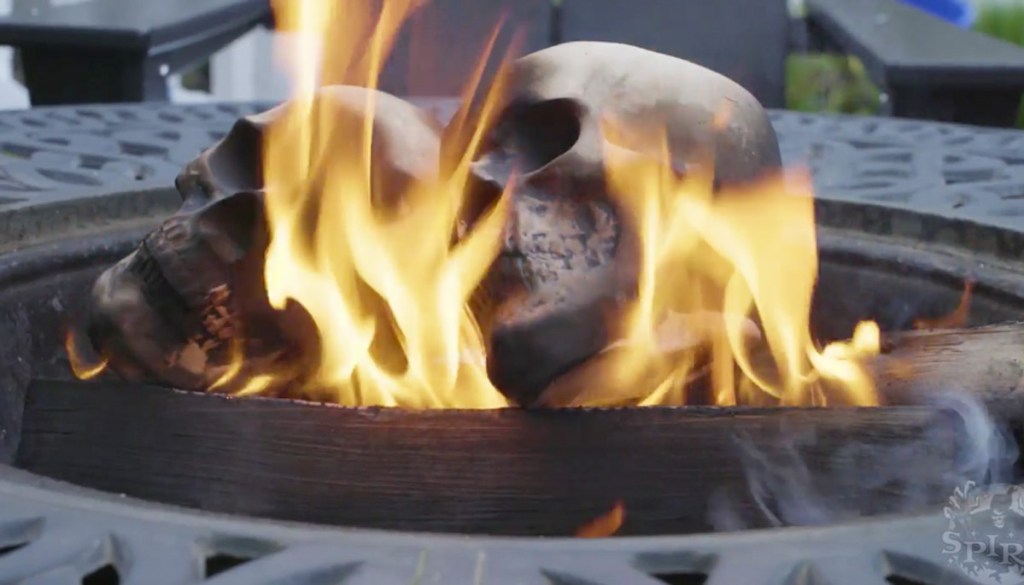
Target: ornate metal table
point(67, 172)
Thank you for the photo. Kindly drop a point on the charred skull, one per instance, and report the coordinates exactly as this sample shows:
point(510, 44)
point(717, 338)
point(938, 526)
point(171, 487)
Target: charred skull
point(567, 259)
point(180, 306)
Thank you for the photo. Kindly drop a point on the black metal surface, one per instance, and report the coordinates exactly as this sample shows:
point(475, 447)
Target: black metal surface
point(91, 171)
point(929, 68)
point(920, 180)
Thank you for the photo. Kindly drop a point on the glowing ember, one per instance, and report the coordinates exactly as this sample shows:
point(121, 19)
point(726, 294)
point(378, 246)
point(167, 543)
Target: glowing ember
point(604, 525)
point(84, 368)
point(730, 275)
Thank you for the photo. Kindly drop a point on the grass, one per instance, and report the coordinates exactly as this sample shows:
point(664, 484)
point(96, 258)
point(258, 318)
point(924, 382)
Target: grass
point(826, 83)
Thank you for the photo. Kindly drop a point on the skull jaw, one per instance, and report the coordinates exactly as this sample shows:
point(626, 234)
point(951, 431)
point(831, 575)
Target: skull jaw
point(188, 306)
point(218, 347)
point(545, 329)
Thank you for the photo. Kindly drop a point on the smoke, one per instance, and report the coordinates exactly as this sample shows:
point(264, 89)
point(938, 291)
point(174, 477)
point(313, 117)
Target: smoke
point(785, 485)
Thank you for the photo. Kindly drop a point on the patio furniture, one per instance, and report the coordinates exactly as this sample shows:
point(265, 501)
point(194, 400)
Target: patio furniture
point(122, 50)
point(79, 185)
point(101, 51)
point(927, 67)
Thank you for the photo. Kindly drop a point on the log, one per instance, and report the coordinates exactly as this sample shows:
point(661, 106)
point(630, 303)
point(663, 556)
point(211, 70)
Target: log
point(508, 471)
point(983, 361)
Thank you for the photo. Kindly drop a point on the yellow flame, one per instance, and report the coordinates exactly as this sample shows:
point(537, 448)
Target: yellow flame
point(744, 253)
point(724, 286)
point(388, 292)
point(82, 367)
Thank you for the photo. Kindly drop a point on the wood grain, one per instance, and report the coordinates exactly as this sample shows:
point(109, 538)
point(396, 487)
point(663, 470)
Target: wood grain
point(501, 472)
point(983, 361)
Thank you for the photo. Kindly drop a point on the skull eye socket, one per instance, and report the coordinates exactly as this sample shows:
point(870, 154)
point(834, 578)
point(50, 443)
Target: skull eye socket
point(236, 164)
point(230, 225)
point(539, 133)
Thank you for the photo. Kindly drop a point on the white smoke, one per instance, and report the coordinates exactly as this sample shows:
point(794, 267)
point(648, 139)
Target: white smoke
point(865, 477)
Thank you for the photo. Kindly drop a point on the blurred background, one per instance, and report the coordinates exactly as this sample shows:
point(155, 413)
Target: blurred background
point(814, 83)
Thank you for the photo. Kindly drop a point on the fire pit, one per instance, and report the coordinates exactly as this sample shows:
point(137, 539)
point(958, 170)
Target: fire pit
point(268, 489)
point(907, 235)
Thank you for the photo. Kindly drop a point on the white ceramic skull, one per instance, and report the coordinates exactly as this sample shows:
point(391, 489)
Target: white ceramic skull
point(167, 312)
point(568, 258)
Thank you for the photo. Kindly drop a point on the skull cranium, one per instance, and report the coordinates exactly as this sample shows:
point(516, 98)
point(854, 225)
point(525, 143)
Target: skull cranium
point(167, 312)
point(568, 257)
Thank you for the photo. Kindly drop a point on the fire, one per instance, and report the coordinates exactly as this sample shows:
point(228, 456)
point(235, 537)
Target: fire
point(959, 316)
point(83, 367)
point(735, 271)
point(404, 343)
point(605, 525)
point(744, 252)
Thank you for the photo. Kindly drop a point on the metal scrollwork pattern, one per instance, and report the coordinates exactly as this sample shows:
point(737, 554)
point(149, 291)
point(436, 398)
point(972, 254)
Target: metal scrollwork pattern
point(960, 174)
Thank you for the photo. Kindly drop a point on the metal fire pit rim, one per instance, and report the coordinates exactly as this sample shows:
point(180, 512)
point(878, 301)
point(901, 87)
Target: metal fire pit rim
point(20, 483)
point(829, 550)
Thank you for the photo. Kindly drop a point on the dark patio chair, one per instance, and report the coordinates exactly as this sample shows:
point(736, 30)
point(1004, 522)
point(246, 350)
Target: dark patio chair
point(925, 67)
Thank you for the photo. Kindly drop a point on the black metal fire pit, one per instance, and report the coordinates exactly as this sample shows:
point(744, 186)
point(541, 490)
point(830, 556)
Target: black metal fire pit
point(908, 210)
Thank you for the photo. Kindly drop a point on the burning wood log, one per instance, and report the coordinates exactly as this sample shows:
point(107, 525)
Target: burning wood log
point(984, 362)
point(987, 362)
point(505, 471)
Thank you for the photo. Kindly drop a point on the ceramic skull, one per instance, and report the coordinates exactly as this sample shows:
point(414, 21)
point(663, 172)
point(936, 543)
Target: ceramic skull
point(567, 258)
point(171, 310)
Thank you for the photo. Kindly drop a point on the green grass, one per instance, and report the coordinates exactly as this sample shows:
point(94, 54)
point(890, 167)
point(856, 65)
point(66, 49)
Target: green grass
point(826, 83)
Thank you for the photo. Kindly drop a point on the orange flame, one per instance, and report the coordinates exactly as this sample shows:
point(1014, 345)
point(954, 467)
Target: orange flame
point(959, 316)
point(727, 270)
point(604, 525)
point(744, 252)
point(81, 366)
point(404, 344)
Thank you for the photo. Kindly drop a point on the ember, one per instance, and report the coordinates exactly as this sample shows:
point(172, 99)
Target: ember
point(83, 367)
point(604, 525)
point(957, 318)
point(563, 243)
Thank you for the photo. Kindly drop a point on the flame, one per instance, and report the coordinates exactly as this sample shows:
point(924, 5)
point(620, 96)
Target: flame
point(604, 525)
point(959, 316)
point(389, 293)
point(744, 252)
point(82, 367)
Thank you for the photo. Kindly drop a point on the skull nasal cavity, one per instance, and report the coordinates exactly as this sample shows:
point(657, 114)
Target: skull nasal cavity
point(543, 131)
